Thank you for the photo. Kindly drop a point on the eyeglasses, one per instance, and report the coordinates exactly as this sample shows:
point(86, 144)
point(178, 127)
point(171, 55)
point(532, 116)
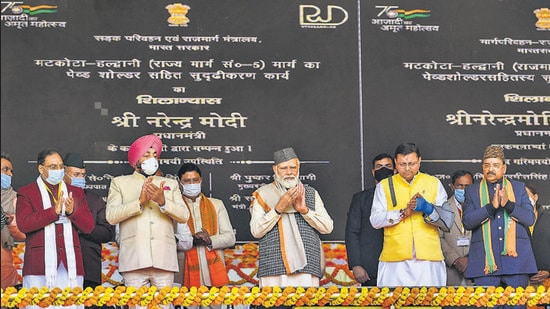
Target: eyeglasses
point(408, 164)
point(494, 165)
point(54, 167)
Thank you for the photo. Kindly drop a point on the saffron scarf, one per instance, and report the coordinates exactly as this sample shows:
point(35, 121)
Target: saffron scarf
point(218, 273)
point(509, 227)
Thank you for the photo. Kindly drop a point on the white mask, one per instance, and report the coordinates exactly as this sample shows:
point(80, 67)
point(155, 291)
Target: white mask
point(191, 189)
point(150, 166)
point(532, 201)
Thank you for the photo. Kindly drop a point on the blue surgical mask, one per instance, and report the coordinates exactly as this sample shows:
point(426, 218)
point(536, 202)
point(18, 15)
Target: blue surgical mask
point(55, 176)
point(459, 195)
point(191, 189)
point(78, 182)
point(6, 181)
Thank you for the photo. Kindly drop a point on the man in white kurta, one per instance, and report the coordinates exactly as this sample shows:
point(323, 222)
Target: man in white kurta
point(421, 268)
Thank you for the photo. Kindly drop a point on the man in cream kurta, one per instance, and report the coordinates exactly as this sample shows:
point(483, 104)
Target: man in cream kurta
point(287, 218)
point(147, 208)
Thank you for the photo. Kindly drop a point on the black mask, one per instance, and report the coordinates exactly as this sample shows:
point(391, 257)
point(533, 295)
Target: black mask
point(382, 173)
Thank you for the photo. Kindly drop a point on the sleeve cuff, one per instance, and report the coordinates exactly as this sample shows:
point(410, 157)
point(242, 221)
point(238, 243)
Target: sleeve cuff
point(491, 210)
point(509, 207)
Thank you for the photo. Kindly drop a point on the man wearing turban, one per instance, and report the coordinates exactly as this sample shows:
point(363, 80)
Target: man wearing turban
point(288, 218)
point(147, 208)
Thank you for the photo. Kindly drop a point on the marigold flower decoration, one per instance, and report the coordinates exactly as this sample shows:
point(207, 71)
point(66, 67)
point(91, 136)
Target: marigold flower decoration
point(154, 297)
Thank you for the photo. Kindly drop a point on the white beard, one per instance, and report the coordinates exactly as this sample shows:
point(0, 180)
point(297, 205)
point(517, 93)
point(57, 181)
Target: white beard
point(289, 182)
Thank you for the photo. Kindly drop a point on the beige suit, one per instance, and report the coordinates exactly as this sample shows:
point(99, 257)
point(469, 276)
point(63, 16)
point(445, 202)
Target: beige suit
point(450, 248)
point(146, 235)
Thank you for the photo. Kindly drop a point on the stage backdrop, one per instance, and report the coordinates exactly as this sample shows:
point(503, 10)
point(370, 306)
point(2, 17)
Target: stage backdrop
point(225, 83)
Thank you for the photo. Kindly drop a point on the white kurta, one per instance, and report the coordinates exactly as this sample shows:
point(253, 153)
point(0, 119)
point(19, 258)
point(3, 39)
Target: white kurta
point(409, 272)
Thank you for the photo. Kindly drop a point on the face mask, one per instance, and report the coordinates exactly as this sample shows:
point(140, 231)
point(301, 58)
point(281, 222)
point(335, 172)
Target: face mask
point(6, 181)
point(530, 199)
point(78, 182)
point(191, 189)
point(150, 166)
point(382, 173)
point(459, 195)
point(55, 176)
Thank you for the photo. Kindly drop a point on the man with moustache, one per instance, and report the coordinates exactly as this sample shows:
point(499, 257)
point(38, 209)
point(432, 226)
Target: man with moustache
point(498, 212)
point(287, 217)
point(147, 208)
point(363, 242)
point(51, 213)
point(409, 206)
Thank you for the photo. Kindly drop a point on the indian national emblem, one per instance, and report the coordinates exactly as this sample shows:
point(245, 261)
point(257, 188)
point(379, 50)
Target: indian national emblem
point(543, 16)
point(177, 14)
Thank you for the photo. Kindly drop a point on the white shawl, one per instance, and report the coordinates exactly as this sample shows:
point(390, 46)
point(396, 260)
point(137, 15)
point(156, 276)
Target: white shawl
point(293, 250)
point(50, 246)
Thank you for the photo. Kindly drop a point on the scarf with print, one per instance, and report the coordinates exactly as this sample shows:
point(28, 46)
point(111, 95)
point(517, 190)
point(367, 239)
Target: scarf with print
point(509, 227)
point(218, 273)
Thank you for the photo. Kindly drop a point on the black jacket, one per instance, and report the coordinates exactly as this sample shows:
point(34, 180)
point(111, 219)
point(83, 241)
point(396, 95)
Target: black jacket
point(363, 242)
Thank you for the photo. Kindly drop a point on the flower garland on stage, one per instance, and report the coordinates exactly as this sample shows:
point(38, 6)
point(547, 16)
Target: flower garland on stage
point(276, 296)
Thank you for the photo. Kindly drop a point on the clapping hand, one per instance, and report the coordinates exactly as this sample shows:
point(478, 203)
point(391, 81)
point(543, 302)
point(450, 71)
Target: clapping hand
point(500, 198)
point(300, 199)
point(202, 238)
point(150, 191)
point(411, 205)
point(67, 202)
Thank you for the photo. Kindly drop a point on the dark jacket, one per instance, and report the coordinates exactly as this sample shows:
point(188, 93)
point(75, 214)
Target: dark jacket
point(363, 242)
point(475, 215)
point(91, 243)
point(541, 240)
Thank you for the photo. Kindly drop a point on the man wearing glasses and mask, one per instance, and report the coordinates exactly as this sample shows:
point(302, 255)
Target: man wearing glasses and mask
point(147, 208)
point(51, 213)
point(408, 205)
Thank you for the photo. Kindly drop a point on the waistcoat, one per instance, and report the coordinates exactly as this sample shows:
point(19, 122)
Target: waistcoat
point(399, 238)
point(271, 261)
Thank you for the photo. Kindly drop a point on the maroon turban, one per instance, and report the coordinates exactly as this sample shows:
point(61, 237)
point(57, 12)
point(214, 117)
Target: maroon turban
point(141, 145)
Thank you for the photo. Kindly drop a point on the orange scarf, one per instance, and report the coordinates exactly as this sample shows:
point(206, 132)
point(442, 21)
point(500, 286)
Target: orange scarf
point(218, 273)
